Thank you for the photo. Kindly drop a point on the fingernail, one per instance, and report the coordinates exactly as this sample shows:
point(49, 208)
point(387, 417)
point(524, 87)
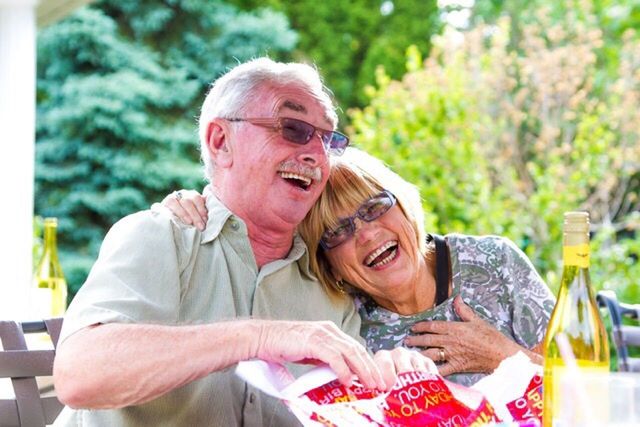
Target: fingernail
point(200, 226)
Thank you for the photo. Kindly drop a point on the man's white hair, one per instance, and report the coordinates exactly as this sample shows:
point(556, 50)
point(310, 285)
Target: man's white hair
point(232, 94)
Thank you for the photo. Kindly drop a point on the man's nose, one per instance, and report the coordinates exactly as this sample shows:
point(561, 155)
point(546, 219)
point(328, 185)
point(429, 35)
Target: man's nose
point(314, 153)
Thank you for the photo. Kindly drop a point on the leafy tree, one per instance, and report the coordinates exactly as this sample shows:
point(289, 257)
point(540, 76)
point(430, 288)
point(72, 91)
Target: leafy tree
point(503, 138)
point(612, 17)
point(119, 87)
point(348, 40)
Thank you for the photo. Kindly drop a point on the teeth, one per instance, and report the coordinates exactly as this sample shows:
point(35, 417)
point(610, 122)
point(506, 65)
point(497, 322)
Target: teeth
point(373, 255)
point(386, 260)
point(290, 175)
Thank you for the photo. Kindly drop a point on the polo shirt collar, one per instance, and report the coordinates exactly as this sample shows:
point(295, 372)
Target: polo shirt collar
point(300, 252)
point(219, 214)
point(217, 217)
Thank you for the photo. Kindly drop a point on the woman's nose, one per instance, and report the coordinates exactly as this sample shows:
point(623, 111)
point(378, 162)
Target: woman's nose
point(364, 231)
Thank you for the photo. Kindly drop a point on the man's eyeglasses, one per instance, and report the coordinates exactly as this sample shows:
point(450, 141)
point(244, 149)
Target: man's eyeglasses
point(368, 211)
point(301, 132)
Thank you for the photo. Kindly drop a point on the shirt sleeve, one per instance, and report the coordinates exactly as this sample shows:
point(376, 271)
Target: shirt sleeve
point(136, 278)
point(532, 300)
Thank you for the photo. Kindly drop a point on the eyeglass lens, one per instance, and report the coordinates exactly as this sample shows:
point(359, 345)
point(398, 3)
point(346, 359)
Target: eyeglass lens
point(297, 131)
point(300, 132)
point(370, 210)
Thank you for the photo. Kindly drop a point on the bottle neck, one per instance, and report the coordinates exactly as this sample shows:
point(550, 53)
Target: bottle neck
point(50, 238)
point(575, 249)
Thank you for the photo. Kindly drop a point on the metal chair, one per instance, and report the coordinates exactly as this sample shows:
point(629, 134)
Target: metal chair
point(29, 408)
point(624, 335)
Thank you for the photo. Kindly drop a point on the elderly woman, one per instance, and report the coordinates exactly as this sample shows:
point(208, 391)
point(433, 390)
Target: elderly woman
point(467, 302)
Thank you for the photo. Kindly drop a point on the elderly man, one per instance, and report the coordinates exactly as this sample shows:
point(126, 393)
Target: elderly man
point(167, 311)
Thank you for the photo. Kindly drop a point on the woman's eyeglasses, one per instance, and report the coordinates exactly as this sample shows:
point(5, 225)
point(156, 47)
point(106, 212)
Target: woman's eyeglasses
point(301, 132)
point(370, 210)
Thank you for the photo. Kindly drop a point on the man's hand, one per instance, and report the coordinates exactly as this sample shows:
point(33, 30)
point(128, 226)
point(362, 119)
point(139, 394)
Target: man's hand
point(472, 345)
point(189, 206)
point(314, 342)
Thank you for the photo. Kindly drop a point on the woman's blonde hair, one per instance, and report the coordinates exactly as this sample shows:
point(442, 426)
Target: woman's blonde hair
point(355, 177)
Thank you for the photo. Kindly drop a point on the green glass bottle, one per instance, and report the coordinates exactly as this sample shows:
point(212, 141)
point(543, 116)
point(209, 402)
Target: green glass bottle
point(50, 286)
point(576, 315)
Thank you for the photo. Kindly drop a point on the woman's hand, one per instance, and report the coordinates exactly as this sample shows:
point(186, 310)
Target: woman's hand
point(189, 206)
point(399, 360)
point(471, 345)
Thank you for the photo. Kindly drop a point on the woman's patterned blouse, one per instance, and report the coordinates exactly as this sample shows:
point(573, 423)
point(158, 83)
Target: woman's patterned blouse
point(494, 277)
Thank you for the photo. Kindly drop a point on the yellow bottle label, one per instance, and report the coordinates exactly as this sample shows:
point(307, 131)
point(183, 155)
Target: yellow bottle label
point(577, 255)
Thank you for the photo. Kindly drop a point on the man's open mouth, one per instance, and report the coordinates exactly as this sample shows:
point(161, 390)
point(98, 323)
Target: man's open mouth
point(383, 255)
point(300, 181)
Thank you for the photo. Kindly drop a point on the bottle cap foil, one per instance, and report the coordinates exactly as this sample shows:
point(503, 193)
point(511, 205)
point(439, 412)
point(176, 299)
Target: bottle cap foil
point(576, 222)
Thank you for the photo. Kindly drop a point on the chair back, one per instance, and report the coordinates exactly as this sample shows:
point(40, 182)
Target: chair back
point(625, 336)
point(29, 408)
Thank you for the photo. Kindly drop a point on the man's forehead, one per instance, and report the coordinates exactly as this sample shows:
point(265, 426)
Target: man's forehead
point(289, 104)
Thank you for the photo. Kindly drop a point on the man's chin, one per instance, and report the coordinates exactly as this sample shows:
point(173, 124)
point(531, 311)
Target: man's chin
point(294, 215)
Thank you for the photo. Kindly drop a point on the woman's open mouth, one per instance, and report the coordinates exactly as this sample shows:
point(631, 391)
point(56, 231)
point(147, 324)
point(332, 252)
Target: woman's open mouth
point(383, 255)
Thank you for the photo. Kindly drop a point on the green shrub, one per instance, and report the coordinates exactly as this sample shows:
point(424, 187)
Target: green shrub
point(503, 136)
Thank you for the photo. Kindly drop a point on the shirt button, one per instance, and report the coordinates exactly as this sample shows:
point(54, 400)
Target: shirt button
point(252, 397)
point(234, 225)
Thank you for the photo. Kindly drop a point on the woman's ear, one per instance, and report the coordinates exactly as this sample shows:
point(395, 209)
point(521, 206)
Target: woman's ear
point(218, 144)
point(336, 276)
point(339, 284)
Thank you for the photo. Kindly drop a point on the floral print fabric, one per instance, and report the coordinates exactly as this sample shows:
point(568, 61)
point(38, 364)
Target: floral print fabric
point(494, 277)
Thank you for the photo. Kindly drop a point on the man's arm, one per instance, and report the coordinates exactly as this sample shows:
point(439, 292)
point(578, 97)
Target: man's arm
point(117, 365)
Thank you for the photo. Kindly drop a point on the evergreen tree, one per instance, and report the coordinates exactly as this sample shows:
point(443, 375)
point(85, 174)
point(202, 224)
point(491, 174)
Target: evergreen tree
point(119, 89)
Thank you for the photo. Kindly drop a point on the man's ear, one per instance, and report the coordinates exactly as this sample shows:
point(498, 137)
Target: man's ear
point(218, 143)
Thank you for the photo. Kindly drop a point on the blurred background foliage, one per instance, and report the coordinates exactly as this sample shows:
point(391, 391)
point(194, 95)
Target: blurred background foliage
point(504, 113)
point(503, 136)
point(348, 40)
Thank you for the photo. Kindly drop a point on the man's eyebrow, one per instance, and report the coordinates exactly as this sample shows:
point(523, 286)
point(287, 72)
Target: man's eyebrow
point(293, 106)
point(301, 109)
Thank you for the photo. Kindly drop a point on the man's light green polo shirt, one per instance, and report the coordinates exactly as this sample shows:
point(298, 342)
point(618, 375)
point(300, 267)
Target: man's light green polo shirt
point(152, 269)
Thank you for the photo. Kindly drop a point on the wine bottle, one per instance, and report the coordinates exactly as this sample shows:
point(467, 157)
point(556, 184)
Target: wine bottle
point(50, 286)
point(575, 315)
